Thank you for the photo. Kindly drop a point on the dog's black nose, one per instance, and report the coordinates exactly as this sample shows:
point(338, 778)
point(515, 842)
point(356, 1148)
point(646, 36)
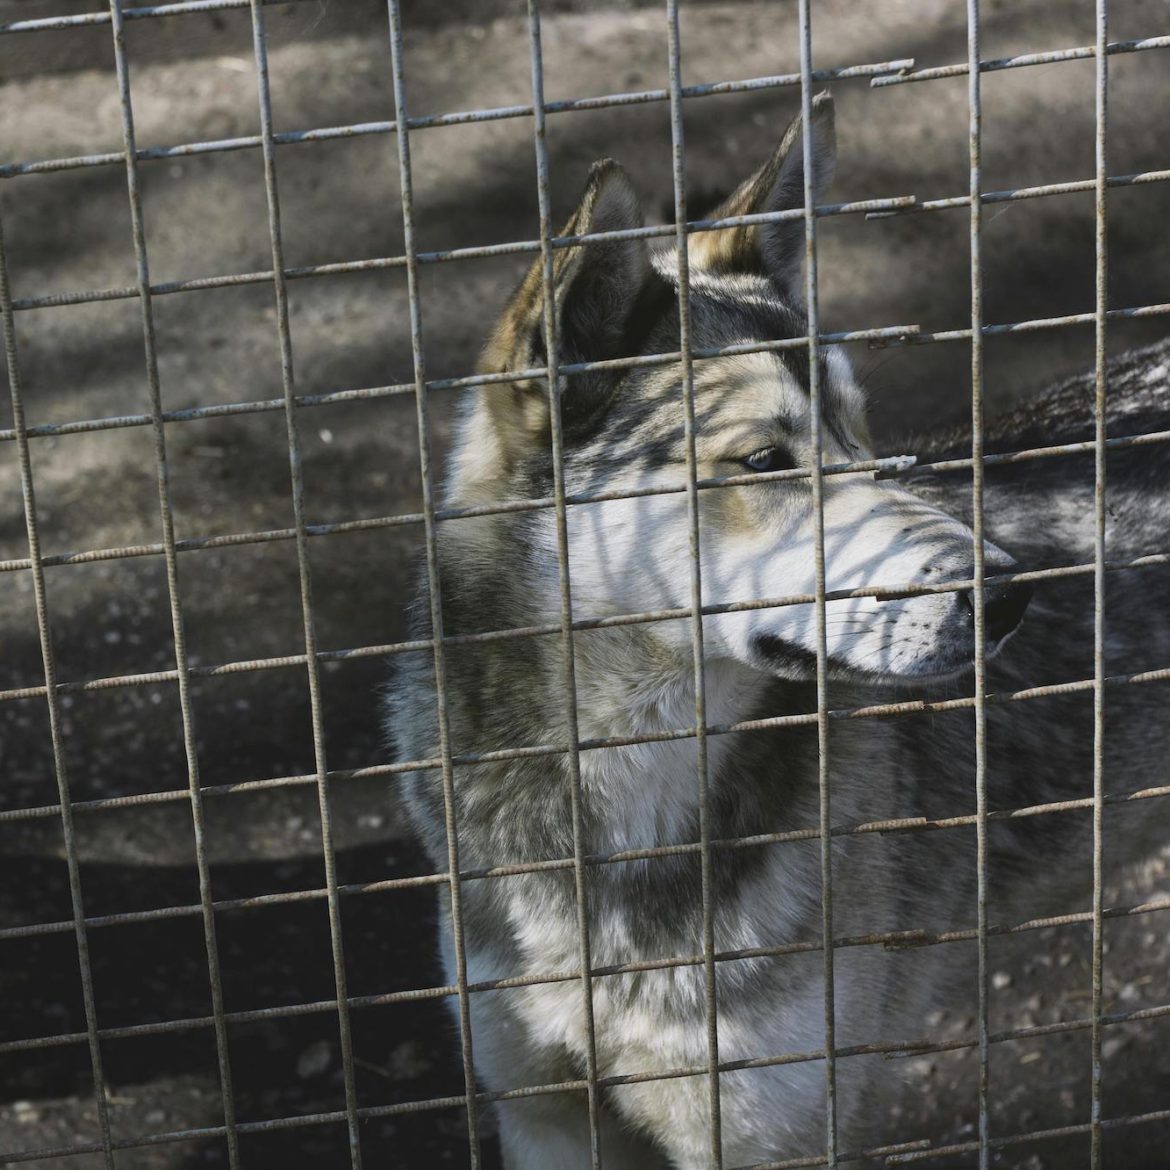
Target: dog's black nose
point(1003, 607)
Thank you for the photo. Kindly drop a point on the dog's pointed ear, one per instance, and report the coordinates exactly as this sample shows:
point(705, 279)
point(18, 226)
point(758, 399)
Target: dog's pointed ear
point(596, 287)
point(773, 249)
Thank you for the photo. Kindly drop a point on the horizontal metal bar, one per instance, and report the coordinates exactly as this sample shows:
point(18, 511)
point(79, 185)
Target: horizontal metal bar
point(187, 414)
point(1075, 1130)
point(872, 208)
point(895, 940)
point(896, 1154)
point(890, 465)
point(882, 592)
point(1023, 60)
point(1014, 194)
point(890, 335)
point(87, 19)
point(891, 710)
point(1036, 325)
point(387, 885)
point(646, 853)
point(1122, 442)
point(892, 1049)
point(479, 252)
point(431, 121)
point(869, 1154)
point(119, 422)
point(886, 467)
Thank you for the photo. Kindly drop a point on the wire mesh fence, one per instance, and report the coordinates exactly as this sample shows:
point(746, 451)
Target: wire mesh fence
point(310, 658)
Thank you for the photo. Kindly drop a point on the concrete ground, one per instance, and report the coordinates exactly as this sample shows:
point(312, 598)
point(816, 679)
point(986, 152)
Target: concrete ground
point(68, 231)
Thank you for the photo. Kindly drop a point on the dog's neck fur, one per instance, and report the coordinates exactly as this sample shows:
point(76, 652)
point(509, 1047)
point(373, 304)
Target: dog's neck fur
point(656, 783)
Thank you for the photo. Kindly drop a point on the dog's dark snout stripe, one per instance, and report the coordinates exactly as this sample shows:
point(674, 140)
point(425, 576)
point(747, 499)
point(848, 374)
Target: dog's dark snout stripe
point(1003, 607)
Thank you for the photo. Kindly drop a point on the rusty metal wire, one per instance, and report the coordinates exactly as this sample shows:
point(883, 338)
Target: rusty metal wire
point(312, 663)
point(434, 598)
point(888, 466)
point(879, 75)
point(876, 711)
point(892, 1154)
point(1101, 260)
point(606, 101)
point(885, 592)
point(897, 204)
point(890, 334)
point(83, 19)
point(886, 335)
point(686, 368)
point(978, 594)
point(890, 940)
point(182, 663)
point(1100, 49)
point(915, 937)
point(568, 653)
point(824, 796)
point(51, 695)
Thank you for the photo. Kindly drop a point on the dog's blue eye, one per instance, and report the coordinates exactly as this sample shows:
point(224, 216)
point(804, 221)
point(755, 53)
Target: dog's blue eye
point(768, 459)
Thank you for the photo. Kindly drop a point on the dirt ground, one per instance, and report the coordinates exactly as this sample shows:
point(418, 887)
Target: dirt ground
point(68, 231)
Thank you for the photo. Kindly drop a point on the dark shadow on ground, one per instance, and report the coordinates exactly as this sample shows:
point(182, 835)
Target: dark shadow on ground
point(279, 955)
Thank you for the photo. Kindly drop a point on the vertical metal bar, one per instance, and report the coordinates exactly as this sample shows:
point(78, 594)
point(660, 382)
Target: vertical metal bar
point(53, 703)
point(260, 48)
point(177, 627)
point(818, 495)
point(568, 657)
point(688, 390)
point(975, 150)
point(1102, 304)
point(434, 581)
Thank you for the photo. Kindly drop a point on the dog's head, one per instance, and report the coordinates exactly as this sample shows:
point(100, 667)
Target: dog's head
point(624, 432)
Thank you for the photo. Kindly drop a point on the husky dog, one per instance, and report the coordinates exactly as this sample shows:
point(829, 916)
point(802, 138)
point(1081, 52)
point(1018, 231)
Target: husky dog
point(623, 431)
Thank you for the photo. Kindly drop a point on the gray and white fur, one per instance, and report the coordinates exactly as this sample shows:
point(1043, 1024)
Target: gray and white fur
point(624, 430)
